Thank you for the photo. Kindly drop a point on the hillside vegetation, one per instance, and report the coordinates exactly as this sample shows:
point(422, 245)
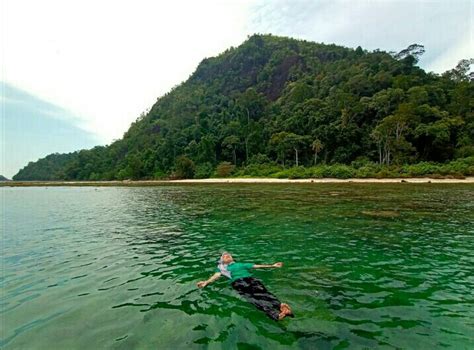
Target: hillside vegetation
point(277, 106)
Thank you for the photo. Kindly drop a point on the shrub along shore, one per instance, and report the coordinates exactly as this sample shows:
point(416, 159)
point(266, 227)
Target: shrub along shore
point(457, 171)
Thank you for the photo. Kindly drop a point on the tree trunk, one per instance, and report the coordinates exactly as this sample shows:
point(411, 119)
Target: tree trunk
point(296, 153)
point(247, 136)
point(235, 157)
point(388, 157)
point(380, 153)
point(246, 150)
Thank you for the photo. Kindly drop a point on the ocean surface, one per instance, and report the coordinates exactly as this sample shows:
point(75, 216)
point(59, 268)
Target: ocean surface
point(364, 266)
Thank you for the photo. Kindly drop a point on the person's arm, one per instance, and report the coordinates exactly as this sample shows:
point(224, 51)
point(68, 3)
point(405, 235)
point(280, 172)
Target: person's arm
point(278, 264)
point(202, 284)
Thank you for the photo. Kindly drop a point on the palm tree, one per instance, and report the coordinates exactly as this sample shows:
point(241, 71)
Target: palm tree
point(317, 146)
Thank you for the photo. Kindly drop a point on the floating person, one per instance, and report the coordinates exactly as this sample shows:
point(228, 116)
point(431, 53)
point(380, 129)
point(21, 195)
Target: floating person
point(250, 287)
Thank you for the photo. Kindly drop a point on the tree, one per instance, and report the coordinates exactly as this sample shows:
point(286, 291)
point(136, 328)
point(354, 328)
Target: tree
point(389, 135)
point(437, 136)
point(285, 141)
point(252, 105)
point(295, 142)
point(381, 136)
point(317, 146)
point(224, 169)
point(277, 141)
point(461, 71)
point(231, 143)
point(414, 50)
point(185, 168)
point(207, 148)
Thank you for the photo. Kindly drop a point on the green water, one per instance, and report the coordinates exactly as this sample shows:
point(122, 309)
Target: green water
point(365, 266)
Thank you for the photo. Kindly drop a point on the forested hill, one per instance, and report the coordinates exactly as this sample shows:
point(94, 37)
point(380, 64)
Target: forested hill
point(278, 100)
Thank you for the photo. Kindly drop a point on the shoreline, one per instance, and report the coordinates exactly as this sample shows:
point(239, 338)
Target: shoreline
point(413, 180)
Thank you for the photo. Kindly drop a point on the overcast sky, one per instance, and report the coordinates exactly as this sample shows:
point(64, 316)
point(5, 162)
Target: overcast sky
point(76, 73)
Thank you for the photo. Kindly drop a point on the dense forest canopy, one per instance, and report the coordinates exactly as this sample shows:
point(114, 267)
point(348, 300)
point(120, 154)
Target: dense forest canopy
point(277, 100)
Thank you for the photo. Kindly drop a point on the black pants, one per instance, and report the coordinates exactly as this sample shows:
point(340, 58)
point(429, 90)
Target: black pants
point(255, 292)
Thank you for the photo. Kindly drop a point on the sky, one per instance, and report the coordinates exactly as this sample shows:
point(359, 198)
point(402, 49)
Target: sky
point(75, 74)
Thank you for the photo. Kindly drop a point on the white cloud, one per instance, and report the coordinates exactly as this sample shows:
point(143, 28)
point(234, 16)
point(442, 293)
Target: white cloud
point(107, 61)
point(449, 58)
point(443, 27)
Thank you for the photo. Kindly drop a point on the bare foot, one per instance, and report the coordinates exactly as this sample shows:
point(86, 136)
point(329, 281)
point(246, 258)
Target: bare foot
point(285, 311)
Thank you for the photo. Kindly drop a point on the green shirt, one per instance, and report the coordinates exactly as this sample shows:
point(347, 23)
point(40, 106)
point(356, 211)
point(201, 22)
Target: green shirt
point(238, 270)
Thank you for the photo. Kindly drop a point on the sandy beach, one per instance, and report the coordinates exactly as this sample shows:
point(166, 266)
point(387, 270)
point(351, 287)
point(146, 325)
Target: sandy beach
point(420, 180)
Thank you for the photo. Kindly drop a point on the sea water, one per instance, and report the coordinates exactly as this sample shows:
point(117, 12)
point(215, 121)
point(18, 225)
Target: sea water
point(364, 266)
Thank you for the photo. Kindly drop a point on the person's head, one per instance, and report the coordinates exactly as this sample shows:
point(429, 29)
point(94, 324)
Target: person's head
point(226, 258)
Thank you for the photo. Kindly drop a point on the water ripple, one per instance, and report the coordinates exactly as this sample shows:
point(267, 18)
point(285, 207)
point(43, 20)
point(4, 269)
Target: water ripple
point(364, 266)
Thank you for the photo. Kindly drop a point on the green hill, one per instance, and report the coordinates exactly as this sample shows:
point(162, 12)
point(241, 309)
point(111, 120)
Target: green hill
point(285, 102)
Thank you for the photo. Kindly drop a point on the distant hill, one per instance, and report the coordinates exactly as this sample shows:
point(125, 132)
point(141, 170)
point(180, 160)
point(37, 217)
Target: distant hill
point(3, 178)
point(278, 99)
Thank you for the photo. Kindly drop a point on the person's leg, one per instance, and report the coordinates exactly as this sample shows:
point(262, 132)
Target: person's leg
point(269, 301)
point(255, 292)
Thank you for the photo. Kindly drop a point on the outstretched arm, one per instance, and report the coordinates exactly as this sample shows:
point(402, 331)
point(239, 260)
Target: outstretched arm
point(215, 276)
point(278, 264)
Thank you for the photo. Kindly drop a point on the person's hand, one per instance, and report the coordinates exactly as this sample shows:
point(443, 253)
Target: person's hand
point(278, 264)
point(202, 284)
